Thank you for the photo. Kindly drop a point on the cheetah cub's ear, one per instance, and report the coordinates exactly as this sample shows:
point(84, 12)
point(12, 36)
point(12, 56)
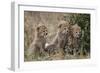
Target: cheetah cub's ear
point(61, 23)
point(76, 28)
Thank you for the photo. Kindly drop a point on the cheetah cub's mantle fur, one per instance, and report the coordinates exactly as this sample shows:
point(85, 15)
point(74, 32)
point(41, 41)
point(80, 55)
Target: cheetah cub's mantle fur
point(37, 47)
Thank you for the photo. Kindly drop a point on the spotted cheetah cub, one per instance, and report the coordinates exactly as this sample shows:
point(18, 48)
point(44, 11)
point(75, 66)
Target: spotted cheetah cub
point(37, 47)
point(74, 39)
point(60, 39)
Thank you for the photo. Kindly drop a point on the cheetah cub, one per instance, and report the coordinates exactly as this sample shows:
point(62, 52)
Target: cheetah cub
point(37, 47)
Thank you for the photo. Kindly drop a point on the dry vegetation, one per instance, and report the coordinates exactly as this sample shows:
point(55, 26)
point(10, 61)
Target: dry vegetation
point(50, 20)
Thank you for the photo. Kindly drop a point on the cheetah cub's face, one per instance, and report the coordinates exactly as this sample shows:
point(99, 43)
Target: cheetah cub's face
point(76, 31)
point(42, 31)
point(64, 27)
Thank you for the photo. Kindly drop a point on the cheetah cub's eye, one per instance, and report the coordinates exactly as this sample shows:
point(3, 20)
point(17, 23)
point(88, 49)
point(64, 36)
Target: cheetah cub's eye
point(64, 28)
point(46, 33)
point(43, 31)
